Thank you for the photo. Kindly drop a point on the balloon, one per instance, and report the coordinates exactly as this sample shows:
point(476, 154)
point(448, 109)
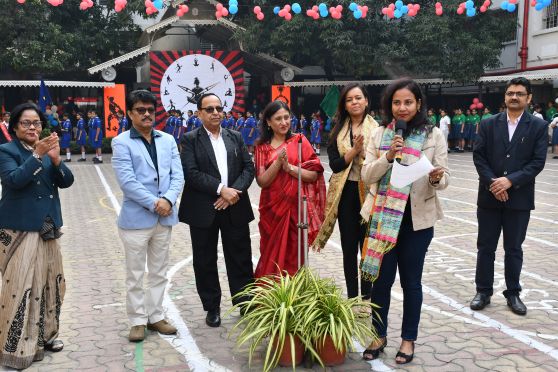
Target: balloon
point(533, 2)
point(315, 8)
point(233, 2)
point(322, 6)
point(404, 9)
point(323, 13)
point(391, 6)
point(412, 13)
point(469, 4)
point(504, 5)
point(276, 10)
point(539, 7)
point(546, 2)
point(398, 4)
point(23, 1)
point(417, 7)
point(482, 9)
point(398, 13)
point(257, 9)
point(384, 11)
point(480, 105)
point(473, 106)
point(471, 12)
point(309, 12)
point(337, 15)
point(511, 8)
point(391, 13)
point(158, 4)
point(316, 16)
point(331, 10)
point(296, 8)
point(339, 8)
point(288, 17)
point(460, 11)
point(357, 14)
point(282, 13)
point(352, 7)
point(439, 11)
point(224, 12)
point(512, 1)
point(287, 8)
point(438, 4)
point(233, 9)
point(476, 100)
point(217, 14)
point(260, 16)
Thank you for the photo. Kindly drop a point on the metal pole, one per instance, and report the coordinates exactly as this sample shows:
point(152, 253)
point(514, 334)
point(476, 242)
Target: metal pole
point(299, 230)
point(305, 227)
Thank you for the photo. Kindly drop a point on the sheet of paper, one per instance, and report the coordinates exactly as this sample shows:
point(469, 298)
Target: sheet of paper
point(403, 175)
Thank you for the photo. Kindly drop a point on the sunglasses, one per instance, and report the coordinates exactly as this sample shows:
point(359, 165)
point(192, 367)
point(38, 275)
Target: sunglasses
point(211, 109)
point(143, 110)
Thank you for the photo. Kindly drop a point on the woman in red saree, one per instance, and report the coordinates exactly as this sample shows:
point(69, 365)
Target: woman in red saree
point(276, 158)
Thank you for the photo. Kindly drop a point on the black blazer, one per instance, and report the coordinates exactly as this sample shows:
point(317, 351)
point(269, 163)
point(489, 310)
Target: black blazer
point(520, 160)
point(30, 188)
point(202, 178)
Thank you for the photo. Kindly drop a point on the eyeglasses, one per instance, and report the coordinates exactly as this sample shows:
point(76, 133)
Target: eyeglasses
point(211, 109)
point(27, 124)
point(143, 110)
point(518, 94)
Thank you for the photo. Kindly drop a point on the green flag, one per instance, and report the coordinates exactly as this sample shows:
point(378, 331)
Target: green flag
point(329, 103)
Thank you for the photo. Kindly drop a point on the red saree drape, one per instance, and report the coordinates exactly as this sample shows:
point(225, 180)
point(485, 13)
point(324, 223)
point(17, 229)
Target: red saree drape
point(279, 207)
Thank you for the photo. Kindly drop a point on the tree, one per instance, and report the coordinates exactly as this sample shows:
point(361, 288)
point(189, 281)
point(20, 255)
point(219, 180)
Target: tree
point(39, 39)
point(452, 46)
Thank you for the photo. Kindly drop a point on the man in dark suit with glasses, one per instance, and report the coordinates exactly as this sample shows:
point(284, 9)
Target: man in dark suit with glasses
point(218, 172)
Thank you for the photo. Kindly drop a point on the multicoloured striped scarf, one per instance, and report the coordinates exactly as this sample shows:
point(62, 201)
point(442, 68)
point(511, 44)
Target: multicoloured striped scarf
point(389, 205)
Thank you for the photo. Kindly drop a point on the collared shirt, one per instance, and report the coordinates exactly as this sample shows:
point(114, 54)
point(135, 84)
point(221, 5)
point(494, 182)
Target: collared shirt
point(220, 151)
point(512, 125)
point(151, 148)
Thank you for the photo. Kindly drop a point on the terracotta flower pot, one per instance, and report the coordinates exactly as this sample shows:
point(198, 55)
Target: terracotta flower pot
point(285, 359)
point(328, 354)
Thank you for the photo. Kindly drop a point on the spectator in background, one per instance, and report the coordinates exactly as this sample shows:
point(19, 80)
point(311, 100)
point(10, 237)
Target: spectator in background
point(66, 130)
point(550, 111)
point(122, 122)
point(96, 135)
point(538, 111)
point(5, 136)
point(431, 117)
point(554, 127)
point(445, 125)
point(81, 135)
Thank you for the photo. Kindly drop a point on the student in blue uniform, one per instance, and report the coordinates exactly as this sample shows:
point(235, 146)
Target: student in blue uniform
point(294, 124)
point(315, 135)
point(197, 120)
point(249, 132)
point(178, 128)
point(81, 135)
point(239, 123)
point(303, 124)
point(122, 122)
point(190, 121)
point(169, 125)
point(66, 130)
point(96, 135)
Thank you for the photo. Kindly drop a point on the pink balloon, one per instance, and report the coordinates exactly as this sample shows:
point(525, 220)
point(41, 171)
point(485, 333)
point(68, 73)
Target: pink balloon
point(364, 8)
point(224, 12)
point(480, 105)
point(412, 12)
point(364, 14)
point(309, 12)
point(384, 11)
point(148, 3)
point(482, 9)
point(260, 16)
point(149, 11)
point(439, 11)
point(288, 17)
point(512, 1)
point(332, 10)
point(473, 106)
point(438, 4)
point(282, 13)
point(460, 11)
point(336, 15)
point(83, 6)
point(315, 8)
point(257, 9)
point(217, 14)
point(390, 13)
point(219, 6)
point(316, 16)
point(339, 8)
point(487, 3)
point(533, 2)
point(21, 1)
point(185, 8)
point(391, 6)
point(476, 100)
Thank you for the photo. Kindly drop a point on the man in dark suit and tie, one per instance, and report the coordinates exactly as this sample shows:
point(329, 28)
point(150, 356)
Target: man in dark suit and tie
point(509, 152)
point(218, 172)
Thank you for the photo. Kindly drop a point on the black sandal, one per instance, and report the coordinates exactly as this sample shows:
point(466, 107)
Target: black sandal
point(407, 358)
point(54, 346)
point(371, 354)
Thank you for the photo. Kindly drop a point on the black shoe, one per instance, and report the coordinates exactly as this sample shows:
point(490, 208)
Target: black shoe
point(213, 318)
point(407, 358)
point(82, 159)
point(54, 346)
point(371, 354)
point(67, 160)
point(555, 157)
point(480, 301)
point(517, 307)
point(95, 160)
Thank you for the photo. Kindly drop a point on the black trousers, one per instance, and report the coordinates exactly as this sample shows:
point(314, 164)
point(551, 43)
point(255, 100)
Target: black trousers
point(238, 259)
point(352, 239)
point(514, 225)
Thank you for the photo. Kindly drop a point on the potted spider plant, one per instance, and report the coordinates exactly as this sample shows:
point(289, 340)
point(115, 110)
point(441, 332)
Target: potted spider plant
point(275, 314)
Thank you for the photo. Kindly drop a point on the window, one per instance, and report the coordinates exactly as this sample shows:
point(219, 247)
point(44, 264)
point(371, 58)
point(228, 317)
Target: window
point(551, 15)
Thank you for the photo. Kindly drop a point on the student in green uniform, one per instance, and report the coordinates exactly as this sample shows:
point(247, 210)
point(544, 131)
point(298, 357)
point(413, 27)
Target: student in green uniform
point(431, 117)
point(468, 129)
point(486, 113)
point(550, 111)
point(457, 128)
point(475, 121)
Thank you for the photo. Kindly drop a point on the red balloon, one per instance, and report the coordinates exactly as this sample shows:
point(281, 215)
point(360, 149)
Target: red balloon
point(482, 9)
point(315, 8)
point(439, 11)
point(339, 8)
point(476, 100)
point(288, 16)
point(438, 5)
point(257, 9)
point(287, 8)
point(384, 11)
point(224, 12)
point(217, 13)
point(23, 1)
point(260, 16)
point(391, 6)
point(219, 6)
point(460, 11)
point(282, 13)
point(412, 12)
point(473, 106)
point(480, 105)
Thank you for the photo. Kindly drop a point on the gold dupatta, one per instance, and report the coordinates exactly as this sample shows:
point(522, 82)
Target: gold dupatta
point(337, 181)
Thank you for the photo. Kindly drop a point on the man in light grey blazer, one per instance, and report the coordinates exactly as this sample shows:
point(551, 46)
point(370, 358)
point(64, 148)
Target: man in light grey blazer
point(148, 168)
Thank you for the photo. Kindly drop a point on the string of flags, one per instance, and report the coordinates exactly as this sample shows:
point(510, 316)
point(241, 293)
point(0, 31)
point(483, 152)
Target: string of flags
point(397, 10)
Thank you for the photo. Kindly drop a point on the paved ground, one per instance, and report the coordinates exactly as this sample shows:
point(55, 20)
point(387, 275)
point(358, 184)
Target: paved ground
point(451, 336)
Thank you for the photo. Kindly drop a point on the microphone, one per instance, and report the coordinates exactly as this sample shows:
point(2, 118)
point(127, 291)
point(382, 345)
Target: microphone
point(400, 127)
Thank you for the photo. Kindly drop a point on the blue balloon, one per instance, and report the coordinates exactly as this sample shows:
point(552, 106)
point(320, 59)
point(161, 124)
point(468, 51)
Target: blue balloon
point(469, 4)
point(511, 8)
point(296, 8)
point(233, 9)
point(233, 2)
point(471, 12)
point(404, 9)
point(357, 14)
point(546, 2)
point(158, 4)
point(276, 10)
point(322, 6)
point(323, 13)
point(398, 4)
point(504, 5)
point(353, 7)
point(398, 13)
point(539, 7)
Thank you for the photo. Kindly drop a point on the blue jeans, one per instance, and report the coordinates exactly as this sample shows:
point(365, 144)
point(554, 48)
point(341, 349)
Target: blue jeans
point(408, 254)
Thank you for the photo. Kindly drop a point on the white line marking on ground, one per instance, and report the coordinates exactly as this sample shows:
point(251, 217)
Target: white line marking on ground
point(116, 304)
point(184, 343)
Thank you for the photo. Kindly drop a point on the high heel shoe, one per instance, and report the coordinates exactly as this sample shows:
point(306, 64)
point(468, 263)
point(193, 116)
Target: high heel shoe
point(407, 358)
point(371, 354)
